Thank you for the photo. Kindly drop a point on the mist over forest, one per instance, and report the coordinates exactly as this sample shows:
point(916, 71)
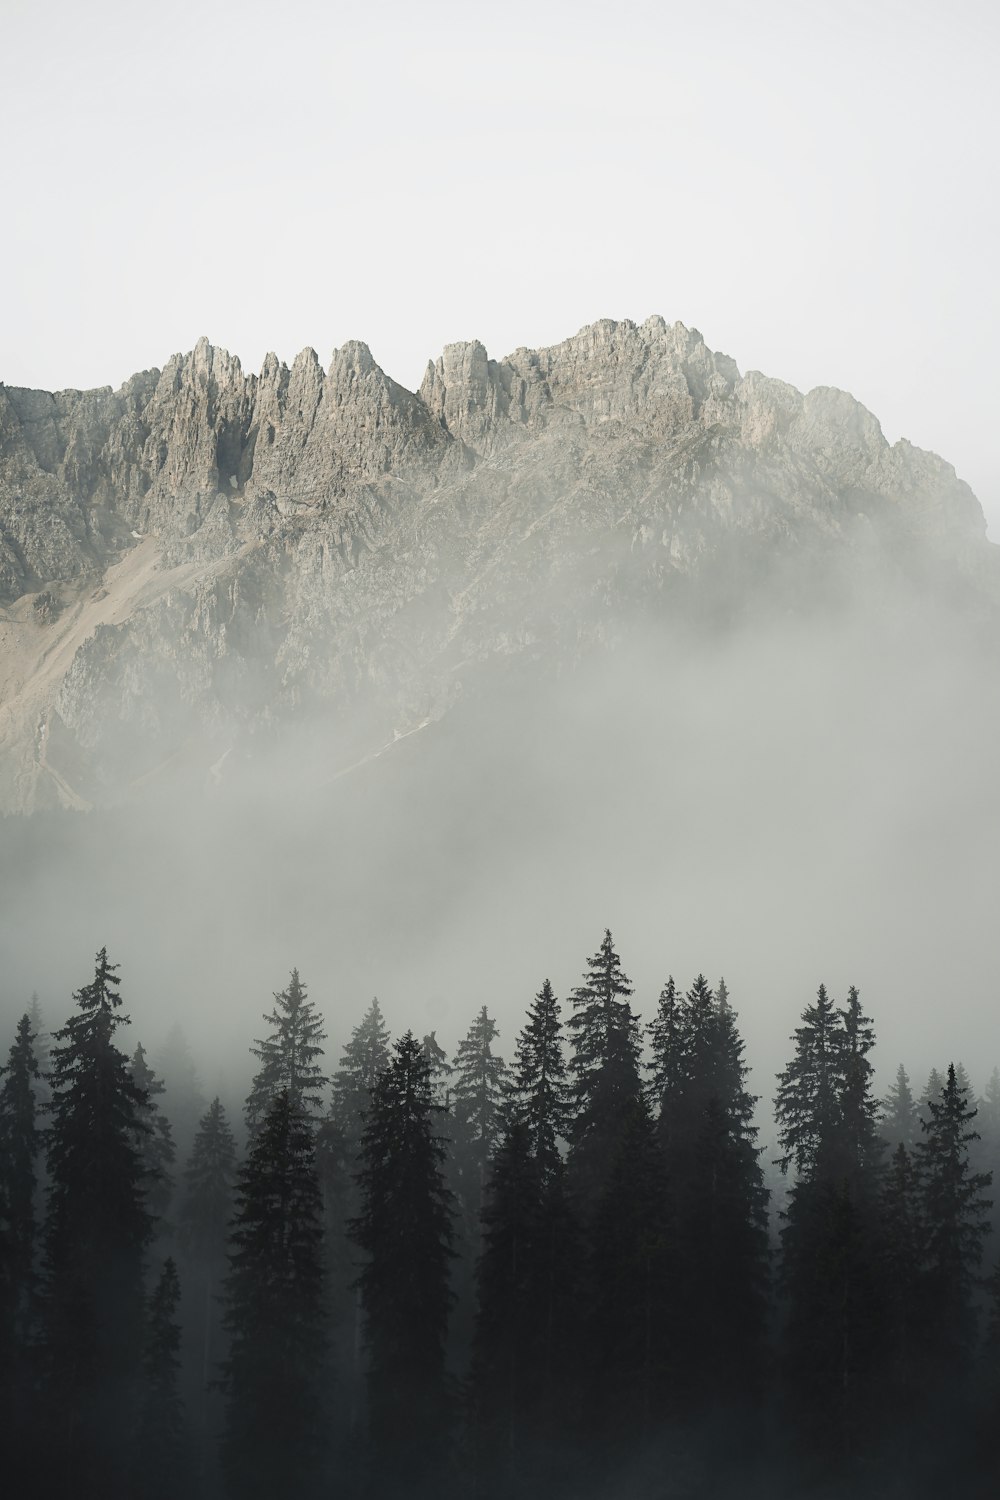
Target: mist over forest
point(541, 832)
point(795, 799)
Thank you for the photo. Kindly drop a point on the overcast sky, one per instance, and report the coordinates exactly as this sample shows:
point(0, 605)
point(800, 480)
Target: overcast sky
point(812, 185)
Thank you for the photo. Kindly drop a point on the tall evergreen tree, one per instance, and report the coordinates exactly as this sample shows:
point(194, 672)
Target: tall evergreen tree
point(160, 1465)
point(440, 1069)
point(154, 1139)
point(628, 1335)
point(19, 1146)
point(719, 1201)
point(807, 1104)
point(275, 1419)
point(955, 1213)
point(900, 1123)
point(605, 1071)
point(338, 1145)
point(97, 1231)
point(205, 1209)
point(984, 1154)
point(525, 1365)
point(405, 1279)
point(668, 1049)
point(364, 1057)
point(902, 1248)
point(477, 1107)
point(931, 1090)
point(508, 1348)
point(289, 1056)
point(830, 1242)
point(540, 1096)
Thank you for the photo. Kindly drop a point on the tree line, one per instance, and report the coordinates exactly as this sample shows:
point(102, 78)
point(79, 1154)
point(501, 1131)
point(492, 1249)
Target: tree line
point(555, 1276)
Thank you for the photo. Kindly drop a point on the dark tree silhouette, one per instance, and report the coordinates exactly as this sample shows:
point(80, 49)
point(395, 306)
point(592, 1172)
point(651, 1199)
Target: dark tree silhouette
point(155, 1140)
point(405, 1230)
point(955, 1214)
point(831, 1254)
point(364, 1057)
point(605, 1072)
point(160, 1469)
point(900, 1122)
point(338, 1147)
point(19, 1147)
point(289, 1057)
point(274, 1314)
point(205, 1209)
point(540, 1095)
point(96, 1234)
point(477, 1109)
point(20, 1140)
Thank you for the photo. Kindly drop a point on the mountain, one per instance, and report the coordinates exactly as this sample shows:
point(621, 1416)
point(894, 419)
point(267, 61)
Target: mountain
point(205, 569)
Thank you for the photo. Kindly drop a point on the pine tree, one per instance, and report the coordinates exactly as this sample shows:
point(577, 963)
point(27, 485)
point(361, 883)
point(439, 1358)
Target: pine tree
point(830, 1242)
point(932, 1089)
point(275, 1419)
point(160, 1466)
point(858, 1107)
point(96, 1234)
point(719, 1265)
point(727, 1238)
point(807, 1104)
point(404, 1281)
point(477, 1104)
point(628, 1335)
point(902, 1246)
point(540, 1096)
point(155, 1139)
point(338, 1145)
point(289, 1056)
point(900, 1124)
point(440, 1070)
point(19, 1145)
point(985, 1153)
point(605, 1071)
point(508, 1348)
point(205, 1209)
point(364, 1057)
point(668, 1044)
point(955, 1215)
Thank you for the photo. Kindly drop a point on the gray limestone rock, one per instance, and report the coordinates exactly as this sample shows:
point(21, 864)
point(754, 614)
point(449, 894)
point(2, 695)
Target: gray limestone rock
point(203, 558)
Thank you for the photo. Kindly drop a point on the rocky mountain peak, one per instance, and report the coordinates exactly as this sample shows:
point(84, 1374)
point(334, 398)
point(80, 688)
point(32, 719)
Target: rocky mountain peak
point(205, 551)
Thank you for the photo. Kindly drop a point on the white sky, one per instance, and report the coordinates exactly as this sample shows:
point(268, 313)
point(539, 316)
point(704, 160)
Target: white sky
point(812, 185)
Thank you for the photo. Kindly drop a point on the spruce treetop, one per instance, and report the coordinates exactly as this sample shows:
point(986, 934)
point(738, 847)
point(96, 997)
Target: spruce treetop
point(289, 1057)
point(364, 1057)
point(900, 1117)
point(603, 1027)
point(209, 1178)
point(540, 1097)
point(480, 1077)
point(955, 1208)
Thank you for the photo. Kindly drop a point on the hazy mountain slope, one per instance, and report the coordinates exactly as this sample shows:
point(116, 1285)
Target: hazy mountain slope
point(204, 563)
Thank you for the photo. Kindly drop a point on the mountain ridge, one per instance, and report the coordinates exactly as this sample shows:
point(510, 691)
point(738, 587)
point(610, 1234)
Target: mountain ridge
point(308, 541)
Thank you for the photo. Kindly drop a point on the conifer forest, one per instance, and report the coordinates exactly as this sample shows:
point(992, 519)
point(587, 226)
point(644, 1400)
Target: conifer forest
point(560, 1267)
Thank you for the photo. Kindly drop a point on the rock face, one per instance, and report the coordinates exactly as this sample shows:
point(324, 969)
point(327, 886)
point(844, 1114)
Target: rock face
point(203, 559)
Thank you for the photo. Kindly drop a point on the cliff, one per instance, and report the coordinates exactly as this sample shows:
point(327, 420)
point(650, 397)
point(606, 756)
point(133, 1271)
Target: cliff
point(201, 561)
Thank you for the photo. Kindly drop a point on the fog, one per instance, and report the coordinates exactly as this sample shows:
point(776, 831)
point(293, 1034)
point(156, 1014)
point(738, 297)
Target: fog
point(798, 798)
